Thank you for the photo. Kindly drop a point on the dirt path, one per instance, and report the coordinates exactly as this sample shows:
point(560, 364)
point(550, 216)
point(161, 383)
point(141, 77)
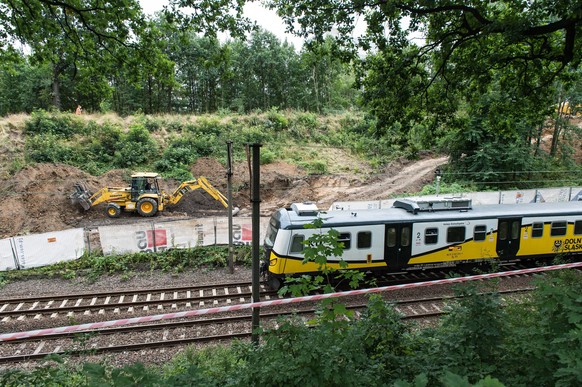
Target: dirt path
point(410, 178)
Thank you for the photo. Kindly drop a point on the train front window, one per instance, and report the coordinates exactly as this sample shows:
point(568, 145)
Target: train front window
point(558, 228)
point(272, 231)
point(297, 243)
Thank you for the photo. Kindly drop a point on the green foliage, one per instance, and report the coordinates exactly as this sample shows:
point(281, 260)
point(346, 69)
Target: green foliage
point(171, 261)
point(445, 188)
point(105, 140)
point(254, 135)
point(471, 336)
point(47, 148)
point(267, 156)
point(60, 125)
point(296, 355)
point(137, 147)
point(54, 373)
point(211, 366)
point(276, 120)
point(314, 167)
point(546, 333)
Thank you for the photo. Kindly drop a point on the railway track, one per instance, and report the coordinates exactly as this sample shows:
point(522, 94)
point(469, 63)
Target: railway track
point(128, 301)
point(180, 333)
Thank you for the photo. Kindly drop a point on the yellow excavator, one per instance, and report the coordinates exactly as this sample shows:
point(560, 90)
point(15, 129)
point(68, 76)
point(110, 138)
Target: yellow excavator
point(144, 196)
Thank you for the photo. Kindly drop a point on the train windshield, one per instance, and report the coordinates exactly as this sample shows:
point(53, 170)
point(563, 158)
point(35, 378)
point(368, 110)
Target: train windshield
point(274, 226)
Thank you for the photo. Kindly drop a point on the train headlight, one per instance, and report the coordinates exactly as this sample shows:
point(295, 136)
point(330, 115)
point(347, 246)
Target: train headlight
point(272, 261)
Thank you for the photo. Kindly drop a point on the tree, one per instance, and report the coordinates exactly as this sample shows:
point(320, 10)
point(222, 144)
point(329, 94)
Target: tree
point(71, 34)
point(540, 31)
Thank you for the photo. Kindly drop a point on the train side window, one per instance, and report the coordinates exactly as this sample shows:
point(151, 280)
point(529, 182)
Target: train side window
point(515, 228)
point(346, 239)
point(431, 236)
point(455, 234)
point(537, 230)
point(364, 240)
point(502, 232)
point(479, 233)
point(297, 243)
point(391, 237)
point(405, 237)
point(578, 227)
point(558, 228)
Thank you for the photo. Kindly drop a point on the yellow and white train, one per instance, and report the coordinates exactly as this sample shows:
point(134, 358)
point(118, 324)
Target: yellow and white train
point(425, 233)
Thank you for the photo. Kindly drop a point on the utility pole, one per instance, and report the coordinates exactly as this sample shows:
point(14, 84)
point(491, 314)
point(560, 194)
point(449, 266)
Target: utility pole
point(438, 175)
point(256, 201)
point(229, 198)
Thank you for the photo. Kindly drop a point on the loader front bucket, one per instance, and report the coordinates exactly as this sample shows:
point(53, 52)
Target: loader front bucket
point(81, 196)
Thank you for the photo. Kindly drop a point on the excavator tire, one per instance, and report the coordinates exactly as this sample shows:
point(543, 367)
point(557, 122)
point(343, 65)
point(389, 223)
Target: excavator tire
point(147, 207)
point(113, 210)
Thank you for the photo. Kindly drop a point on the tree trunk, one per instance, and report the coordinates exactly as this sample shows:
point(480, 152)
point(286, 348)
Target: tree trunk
point(56, 86)
point(558, 122)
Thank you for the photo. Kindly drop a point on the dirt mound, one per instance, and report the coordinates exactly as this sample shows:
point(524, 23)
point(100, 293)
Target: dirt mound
point(37, 197)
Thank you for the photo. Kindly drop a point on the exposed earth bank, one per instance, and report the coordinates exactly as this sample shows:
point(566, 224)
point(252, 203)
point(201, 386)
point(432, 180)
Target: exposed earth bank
point(37, 197)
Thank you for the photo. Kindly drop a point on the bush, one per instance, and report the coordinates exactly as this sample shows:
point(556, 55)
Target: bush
point(276, 120)
point(106, 140)
point(137, 147)
point(62, 125)
point(267, 156)
point(315, 167)
point(48, 148)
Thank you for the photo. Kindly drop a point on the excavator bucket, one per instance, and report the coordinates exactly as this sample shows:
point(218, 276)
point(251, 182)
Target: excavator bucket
point(81, 196)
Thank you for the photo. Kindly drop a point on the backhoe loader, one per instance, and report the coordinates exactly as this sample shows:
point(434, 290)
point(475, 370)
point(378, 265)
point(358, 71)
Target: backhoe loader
point(144, 196)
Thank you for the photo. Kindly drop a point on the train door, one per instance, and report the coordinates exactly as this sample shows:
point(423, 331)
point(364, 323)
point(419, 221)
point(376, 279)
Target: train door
point(508, 236)
point(397, 249)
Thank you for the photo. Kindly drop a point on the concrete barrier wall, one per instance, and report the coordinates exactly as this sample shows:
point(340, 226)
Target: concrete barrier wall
point(155, 237)
point(36, 250)
point(563, 194)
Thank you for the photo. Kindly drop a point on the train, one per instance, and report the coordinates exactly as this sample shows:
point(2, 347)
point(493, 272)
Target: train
point(424, 233)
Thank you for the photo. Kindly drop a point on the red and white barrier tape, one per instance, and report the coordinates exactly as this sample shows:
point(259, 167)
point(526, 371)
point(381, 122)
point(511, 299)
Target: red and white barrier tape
point(199, 312)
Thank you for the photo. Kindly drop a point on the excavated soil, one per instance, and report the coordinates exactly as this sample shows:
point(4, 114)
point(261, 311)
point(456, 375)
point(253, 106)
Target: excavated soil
point(36, 199)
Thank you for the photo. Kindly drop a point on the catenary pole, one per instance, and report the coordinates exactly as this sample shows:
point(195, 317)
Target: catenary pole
point(229, 198)
point(256, 200)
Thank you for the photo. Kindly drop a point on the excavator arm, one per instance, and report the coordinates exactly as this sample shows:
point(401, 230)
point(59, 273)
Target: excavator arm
point(192, 185)
point(87, 199)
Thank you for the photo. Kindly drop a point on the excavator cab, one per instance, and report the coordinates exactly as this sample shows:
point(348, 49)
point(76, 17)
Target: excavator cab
point(142, 183)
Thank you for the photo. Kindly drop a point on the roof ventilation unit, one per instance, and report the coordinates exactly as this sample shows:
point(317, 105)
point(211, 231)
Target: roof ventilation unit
point(305, 209)
point(428, 204)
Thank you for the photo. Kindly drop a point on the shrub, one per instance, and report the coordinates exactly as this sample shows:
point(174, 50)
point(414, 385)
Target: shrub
point(62, 125)
point(47, 148)
point(315, 167)
point(137, 147)
point(267, 156)
point(276, 120)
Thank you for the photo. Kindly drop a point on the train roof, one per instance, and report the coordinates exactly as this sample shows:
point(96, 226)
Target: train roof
point(409, 212)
